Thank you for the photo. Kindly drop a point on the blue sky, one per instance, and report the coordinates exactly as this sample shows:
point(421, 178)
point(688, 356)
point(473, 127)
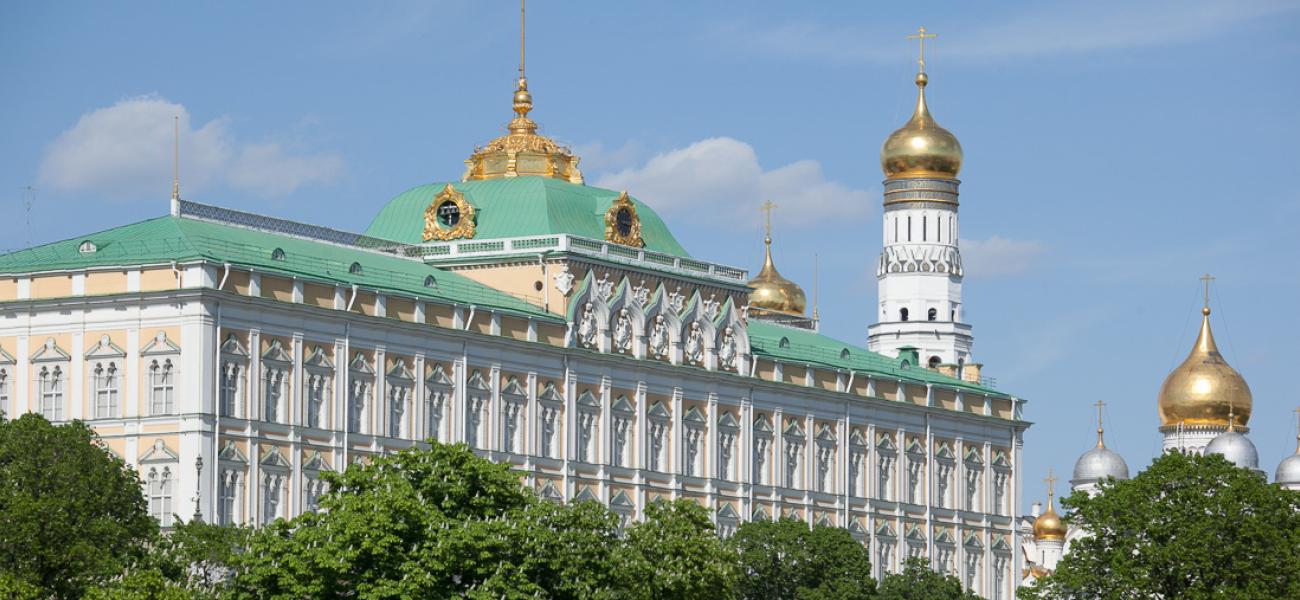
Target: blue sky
point(1114, 152)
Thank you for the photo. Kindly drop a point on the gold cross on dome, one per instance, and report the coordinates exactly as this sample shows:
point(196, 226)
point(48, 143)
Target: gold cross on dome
point(1100, 405)
point(767, 207)
point(1207, 278)
point(1051, 481)
point(921, 36)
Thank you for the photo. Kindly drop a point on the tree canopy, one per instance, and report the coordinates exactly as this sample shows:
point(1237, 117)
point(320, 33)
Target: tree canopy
point(918, 582)
point(1187, 527)
point(71, 513)
point(786, 559)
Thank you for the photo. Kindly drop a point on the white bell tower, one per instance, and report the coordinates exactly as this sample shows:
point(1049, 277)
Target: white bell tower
point(920, 271)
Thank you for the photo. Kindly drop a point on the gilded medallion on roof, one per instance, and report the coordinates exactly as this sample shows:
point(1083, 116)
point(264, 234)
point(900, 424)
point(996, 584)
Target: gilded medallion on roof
point(449, 216)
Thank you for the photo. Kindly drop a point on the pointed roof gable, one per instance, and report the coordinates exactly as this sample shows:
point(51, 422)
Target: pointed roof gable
point(318, 358)
point(550, 395)
point(360, 364)
point(728, 512)
point(586, 495)
point(7, 358)
point(105, 348)
point(512, 388)
point(762, 424)
point(160, 345)
point(694, 417)
point(232, 345)
point(274, 458)
point(400, 371)
point(623, 406)
point(159, 452)
point(477, 381)
point(588, 400)
point(728, 421)
point(231, 453)
point(621, 501)
point(275, 352)
point(49, 351)
point(316, 462)
point(658, 411)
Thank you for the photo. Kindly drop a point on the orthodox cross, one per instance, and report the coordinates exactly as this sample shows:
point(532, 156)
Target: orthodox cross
point(176, 157)
point(767, 215)
point(1297, 435)
point(921, 36)
point(1051, 480)
point(1207, 278)
point(522, 23)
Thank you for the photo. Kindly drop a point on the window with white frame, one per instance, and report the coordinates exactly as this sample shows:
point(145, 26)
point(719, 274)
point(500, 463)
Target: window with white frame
point(825, 468)
point(160, 495)
point(549, 439)
point(857, 462)
point(513, 400)
point(1000, 478)
point(273, 495)
point(588, 427)
point(623, 417)
point(274, 384)
point(915, 478)
point(478, 397)
point(884, 476)
point(884, 556)
point(761, 464)
point(234, 367)
point(313, 487)
point(793, 460)
point(943, 483)
point(400, 386)
point(974, 475)
point(358, 401)
point(437, 396)
point(162, 387)
point(657, 456)
point(971, 577)
point(105, 380)
point(50, 379)
point(694, 449)
point(727, 430)
point(230, 491)
point(320, 387)
point(4, 388)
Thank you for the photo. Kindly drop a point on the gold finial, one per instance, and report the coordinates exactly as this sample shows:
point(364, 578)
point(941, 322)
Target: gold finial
point(1231, 418)
point(522, 26)
point(1206, 279)
point(176, 157)
point(767, 207)
point(921, 36)
point(1100, 430)
point(1051, 482)
point(523, 99)
point(816, 284)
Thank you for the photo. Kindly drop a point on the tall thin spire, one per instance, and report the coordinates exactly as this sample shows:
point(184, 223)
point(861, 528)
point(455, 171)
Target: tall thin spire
point(1100, 430)
point(176, 157)
point(816, 284)
point(1051, 488)
point(522, 26)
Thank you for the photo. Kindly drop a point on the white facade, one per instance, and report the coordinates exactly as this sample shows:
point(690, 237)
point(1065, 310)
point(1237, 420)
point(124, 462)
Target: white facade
point(272, 393)
point(919, 275)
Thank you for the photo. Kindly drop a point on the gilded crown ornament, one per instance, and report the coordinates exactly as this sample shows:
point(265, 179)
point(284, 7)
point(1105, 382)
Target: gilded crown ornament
point(522, 151)
point(622, 224)
point(449, 216)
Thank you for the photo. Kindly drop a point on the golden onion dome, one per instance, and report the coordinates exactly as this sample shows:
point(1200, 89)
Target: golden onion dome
point(522, 151)
point(1049, 526)
point(921, 148)
point(1204, 389)
point(774, 293)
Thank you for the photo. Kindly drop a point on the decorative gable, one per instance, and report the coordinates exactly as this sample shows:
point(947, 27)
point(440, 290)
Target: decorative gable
point(550, 493)
point(856, 528)
point(400, 371)
point(728, 513)
point(318, 358)
point(6, 358)
point(972, 541)
point(944, 452)
point(914, 447)
point(550, 395)
point(512, 388)
point(231, 453)
point(885, 443)
point(763, 425)
point(825, 521)
point(275, 353)
point(274, 459)
point(478, 382)
point(943, 536)
point(727, 421)
point(160, 345)
point(316, 462)
point(825, 434)
point(621, 501)
point(694, 417)
point(438, 377)
point(857, 438)
point(1000, 544)
point(972, 455)
point(159, 453)
point(359, 364)
point(658, 412)
point(50, 352)
point(760, 514)
point(588, 400)
point(915, 534)
point(233, 346)
point(105, 348)
point(623, 406)
point(792, 429)
point(886, 530)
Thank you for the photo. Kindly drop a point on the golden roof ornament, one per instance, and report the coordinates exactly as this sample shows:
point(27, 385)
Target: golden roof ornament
point(622, 224)
point(921, 148)
point(772, 292)
point(1205, 390)
point(522, 151)
point(1049, 526)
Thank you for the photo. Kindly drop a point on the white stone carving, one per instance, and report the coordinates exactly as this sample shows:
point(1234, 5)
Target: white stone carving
point(587, 325)
point(641, 294)
point(677, 300)
point(710, 307)
point(604, 288)
point(694, 346)
point(564, 281)
point(659, 338)
point(727, 354)
point(623, 331)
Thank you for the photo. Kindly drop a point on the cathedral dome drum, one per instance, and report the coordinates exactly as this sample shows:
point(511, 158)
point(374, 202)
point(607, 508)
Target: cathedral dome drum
point(1098, 464)
point(1288, 472)
point(1049, 526)
point(921, 148)
point(1235, 447)
point(1204, 390)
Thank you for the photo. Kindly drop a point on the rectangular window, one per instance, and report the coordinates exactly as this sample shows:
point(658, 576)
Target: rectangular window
point(105, 386)
point(162, 388)
point(230, 376)
point(227, 496)
point(4, 390)
point(397, 395)
point(357, 406)
point(272, 492)
point(435, 400)
point(160, 495)
point(273, 394)
point(51, 389)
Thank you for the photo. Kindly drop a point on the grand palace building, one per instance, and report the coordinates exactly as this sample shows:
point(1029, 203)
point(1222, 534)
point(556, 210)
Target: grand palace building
point(232, 358)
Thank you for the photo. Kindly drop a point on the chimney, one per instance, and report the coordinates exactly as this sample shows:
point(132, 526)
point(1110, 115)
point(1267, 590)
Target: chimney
point(971, 372)
point(948, 370)
point(1036, 509)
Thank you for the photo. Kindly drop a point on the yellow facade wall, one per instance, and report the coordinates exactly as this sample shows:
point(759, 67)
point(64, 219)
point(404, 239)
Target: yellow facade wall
point(99, 283)
point(442, 315)
point(316, 294)
point(515, 328)
point(153, 279)
point(277, 288)
point(402, 309)
point(51, 286)
point(517, 280)
point(9, 288)
point(237, 281)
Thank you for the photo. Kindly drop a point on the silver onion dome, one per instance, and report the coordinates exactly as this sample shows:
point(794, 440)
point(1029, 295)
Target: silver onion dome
point(1235, 447)
point(1288, 472)
point(1098, 464)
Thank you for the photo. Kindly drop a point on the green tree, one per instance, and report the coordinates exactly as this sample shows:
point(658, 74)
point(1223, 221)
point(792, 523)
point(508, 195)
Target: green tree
point(1187, 527)
point(918, 582)
point(71, 514)
point(786, 559)
point(675, 554)
point(195, 560)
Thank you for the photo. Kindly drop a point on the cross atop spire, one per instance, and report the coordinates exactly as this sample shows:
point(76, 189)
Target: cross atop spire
point(1100, 405)
point(1051, 483)
point(767, 207)
point(522, 24)
point(176, 157)
point(1206, 279)
point(921, 36)
point(1297, 432)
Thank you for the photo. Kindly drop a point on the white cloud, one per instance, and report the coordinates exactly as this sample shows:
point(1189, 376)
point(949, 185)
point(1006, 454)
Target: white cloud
point(1052, 29)
point(267, 170)
point(723, 173)
point(999, 257)
point(125, 151)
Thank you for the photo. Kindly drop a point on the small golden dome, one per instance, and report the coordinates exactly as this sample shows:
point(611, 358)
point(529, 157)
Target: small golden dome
point(1049, 526)
point(522, 151)
point(774, 293)
point(1204, 390)
point(921, 148)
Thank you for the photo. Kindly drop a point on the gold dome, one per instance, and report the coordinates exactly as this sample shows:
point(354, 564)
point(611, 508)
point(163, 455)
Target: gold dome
point(774, 293)
point(921, 148)
point(1049, 526)
point(1204, 390)
point(522, 151)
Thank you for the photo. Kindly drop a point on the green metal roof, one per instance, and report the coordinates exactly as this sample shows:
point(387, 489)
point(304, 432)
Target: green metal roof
point(170, 238)
point(518, 207)
point(808, 347)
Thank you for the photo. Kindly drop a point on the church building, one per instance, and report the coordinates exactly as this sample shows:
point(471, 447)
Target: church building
point(232, 358)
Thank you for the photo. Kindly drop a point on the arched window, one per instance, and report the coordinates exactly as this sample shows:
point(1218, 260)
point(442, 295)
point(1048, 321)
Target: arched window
point(355, 269)
point(277, 254)
point(902, 314)
point(430, 282)
point(87, 247)
point(934, 362)
point(933, 314)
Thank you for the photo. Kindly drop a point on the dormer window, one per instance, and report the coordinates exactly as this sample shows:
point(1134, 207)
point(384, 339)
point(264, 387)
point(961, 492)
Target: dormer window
point(355, 269)
point(430, 282)
point(277, 254)
point(784, 343)
point(87, 247)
